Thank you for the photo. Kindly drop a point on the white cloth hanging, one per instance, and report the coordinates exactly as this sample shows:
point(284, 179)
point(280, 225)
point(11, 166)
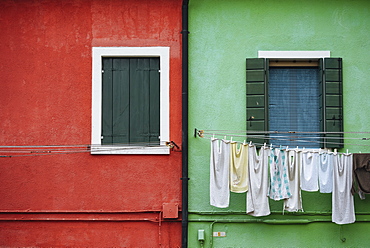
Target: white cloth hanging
point(219, 173)
point(294, 203)
point(238, 168)
point(326, 172)
point(279, 183)
point(309, 172)
point(257, 199)
point(343, 210)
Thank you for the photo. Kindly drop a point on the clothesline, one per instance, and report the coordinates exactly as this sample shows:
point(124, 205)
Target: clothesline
point(41, 150)
point(266, 132)
point(319, 150)
point(286, 138)
point(270, 135)
point(280, 136)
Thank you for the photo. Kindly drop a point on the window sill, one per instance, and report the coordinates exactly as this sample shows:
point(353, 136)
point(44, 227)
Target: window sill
point(129, 150)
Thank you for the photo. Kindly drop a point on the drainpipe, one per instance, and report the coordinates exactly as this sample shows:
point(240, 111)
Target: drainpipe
point(185, 32)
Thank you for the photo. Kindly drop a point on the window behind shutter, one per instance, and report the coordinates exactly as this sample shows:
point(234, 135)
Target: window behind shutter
point(131, 101)
point(294, 106)
point(332, 102)
point(257, 102)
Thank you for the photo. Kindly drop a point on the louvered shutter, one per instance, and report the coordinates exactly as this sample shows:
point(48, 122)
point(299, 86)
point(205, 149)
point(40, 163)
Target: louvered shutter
point(257, 100)
point(332, 102)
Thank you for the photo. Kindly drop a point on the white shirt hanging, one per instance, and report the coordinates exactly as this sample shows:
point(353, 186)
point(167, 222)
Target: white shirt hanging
point(309, 172)
point(294, 203)
point(257, 199)
point(219, 173)
point(343, 210)
point(326, 172)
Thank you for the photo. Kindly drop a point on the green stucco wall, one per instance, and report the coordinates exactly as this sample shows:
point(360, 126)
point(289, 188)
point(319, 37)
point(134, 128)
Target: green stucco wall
point(222, 35)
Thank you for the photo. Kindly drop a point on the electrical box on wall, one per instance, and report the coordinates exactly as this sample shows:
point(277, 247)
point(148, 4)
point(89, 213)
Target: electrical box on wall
point(201, 235)
point(170, 210)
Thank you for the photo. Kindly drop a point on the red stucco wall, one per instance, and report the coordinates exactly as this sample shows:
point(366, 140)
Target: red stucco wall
point(80, 199)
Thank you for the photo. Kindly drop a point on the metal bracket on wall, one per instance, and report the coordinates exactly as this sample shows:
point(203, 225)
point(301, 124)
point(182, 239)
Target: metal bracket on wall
point(198, 133)
point(171, 144)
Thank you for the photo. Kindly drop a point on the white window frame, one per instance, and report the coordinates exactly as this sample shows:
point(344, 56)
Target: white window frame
point(97, 54)
point(293, 54)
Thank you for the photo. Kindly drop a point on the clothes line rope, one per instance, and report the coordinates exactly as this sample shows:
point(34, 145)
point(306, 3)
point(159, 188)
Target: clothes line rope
point(41, 150)
point(262, 136)
point(269, 135)
point(268, 132)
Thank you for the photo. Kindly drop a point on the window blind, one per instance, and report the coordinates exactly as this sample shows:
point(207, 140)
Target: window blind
point(294, 105)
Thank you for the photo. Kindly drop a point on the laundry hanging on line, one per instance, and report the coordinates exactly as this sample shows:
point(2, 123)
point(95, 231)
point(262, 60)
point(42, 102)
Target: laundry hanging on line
point(285, 173)
point(257, 199)
point(361, 174)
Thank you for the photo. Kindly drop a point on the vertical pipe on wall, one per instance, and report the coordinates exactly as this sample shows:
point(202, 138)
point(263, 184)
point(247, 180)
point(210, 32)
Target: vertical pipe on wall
point(185, 178)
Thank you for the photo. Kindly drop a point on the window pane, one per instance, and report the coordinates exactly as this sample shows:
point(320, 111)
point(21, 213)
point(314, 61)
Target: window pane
point(294, 105)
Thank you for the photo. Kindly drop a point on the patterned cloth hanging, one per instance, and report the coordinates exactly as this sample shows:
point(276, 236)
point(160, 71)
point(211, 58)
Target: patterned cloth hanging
point(279, 183)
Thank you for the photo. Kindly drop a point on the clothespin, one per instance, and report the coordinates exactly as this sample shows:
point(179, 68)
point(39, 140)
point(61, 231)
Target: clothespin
point(213, 136)
point(347, 152)
point(224, 137)
point(231, 139)
point(244, 142)
point(250, 143)
point(287, 148)
point(264, 145)
point(335, 151)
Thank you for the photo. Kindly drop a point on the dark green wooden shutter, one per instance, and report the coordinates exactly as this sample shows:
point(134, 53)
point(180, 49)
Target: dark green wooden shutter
point(121, 100)
point(107, 101)
point(257, 97)
point(154, 101)
point(139, 100)
point(131, 101)
point(332, 102)
point(144, 95)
